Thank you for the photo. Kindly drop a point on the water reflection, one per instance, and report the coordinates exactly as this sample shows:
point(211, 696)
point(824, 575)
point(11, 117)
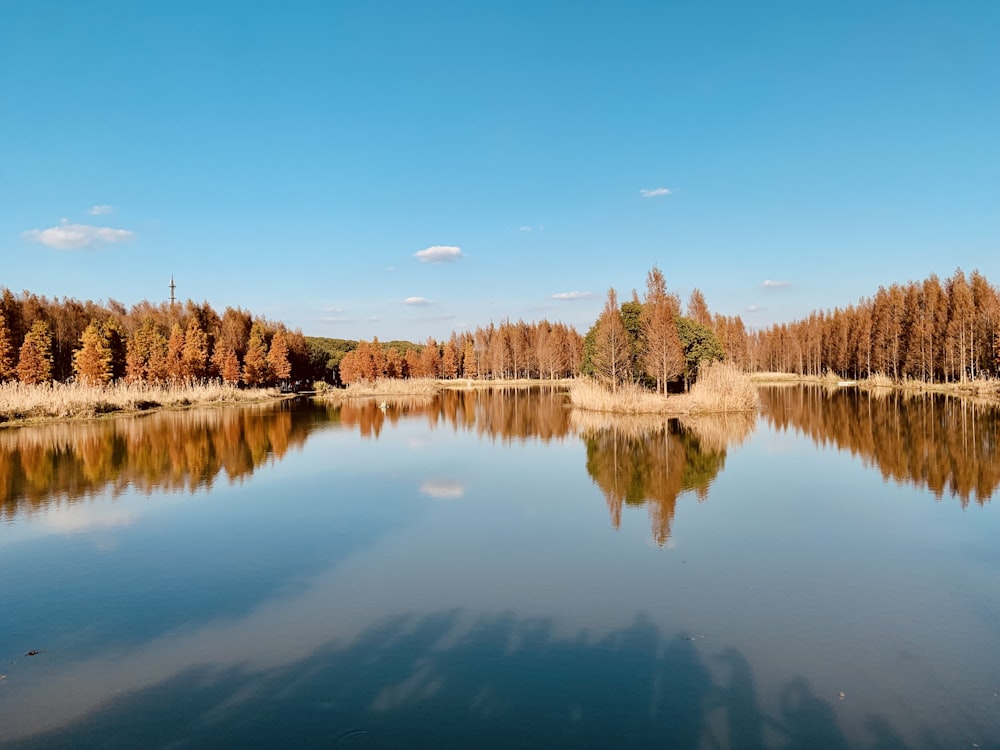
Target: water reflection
point(647, 461)
point(948, 445)
point(507, 414)
point(183, 450)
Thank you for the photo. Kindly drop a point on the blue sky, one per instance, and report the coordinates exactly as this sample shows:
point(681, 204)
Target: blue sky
point(402, 169)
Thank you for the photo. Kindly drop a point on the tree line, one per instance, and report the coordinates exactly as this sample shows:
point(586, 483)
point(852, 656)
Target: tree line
point(931, 331)
point(43, 340)
point(507, 351)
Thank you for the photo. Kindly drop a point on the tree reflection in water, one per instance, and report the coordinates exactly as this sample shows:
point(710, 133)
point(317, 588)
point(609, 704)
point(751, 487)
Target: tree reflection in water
point(652, 461)
point(946, 444)
point(178, 450)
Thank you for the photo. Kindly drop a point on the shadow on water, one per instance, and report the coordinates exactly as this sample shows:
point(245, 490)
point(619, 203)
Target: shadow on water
point(441, 681)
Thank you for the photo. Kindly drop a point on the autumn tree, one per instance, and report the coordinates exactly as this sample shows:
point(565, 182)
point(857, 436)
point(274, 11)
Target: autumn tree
point(34, 364)
point(697, 309)
point(194, 355)
point(146, 354)
point(227, 363)
point(176, 369)
point(277, 357)
point(92, 362)
point(610, 357)
point(662, 354)
point(7, 363)
point(255, 371)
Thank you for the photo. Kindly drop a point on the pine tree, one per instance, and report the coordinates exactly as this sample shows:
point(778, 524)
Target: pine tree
point(7, 363)
point(255, 372)
point(176, 369)
point(277, 357)
point(92, 362)
point(34, 363)
point(611, 346)
point(194, 355)
point(661, 346)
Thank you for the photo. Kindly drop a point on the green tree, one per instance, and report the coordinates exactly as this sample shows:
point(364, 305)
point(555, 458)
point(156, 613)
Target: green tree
point(699, 345)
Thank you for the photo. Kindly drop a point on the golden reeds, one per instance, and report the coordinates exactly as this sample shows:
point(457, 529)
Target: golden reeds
point(721, 388)
point(20, 402)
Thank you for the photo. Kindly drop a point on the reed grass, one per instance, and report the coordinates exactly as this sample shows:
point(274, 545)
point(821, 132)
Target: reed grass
point(20, 402)
point(384, 387)
point(721, 388)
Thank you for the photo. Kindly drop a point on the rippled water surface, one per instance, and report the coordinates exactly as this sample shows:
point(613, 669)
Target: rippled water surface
point(493, 570)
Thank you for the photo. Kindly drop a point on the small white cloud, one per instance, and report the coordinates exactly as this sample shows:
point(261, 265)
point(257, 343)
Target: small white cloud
point(525, 229)
point(573, 295)
point(68, 236)
point(418, 301)
point(769, 284)
point(390, 269)
point(754, 308)
point(654, 192)
point(77, 519)
point(100, 210)
point(439, 254)
point(333, 309)
point(443, 489)
point(336, 319)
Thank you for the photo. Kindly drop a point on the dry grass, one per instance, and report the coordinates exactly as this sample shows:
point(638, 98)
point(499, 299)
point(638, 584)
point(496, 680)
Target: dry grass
point(720, 431)
point(628, 399)
point(19, 402)
point(590, 422)
point(721, 388)
point(384, 387)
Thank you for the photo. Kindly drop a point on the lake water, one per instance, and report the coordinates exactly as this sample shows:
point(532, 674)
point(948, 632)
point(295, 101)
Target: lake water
point(487, 570)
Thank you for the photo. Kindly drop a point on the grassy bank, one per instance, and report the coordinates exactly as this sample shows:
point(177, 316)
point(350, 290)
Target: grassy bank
point(21, 403)
point(981, 388)
point(721, 388)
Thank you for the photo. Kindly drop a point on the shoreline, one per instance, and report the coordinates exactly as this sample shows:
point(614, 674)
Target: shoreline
point(25, 406)
point(987, 390)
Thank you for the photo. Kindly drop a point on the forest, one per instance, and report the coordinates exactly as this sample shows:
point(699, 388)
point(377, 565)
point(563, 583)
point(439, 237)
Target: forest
point(930, 331)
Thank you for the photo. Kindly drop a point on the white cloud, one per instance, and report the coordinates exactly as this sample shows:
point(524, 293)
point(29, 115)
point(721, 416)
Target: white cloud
point(769, 284)
point(754, 308)
point(390, 269)
point(333, 309)
point(68, 236)
point(100, 210)
point(525, 229)
point(439, 254)
point(77, 519)
point(418, 301)
point(336, 319)
point(443, 489)
point(654, 192)
point(573, 295)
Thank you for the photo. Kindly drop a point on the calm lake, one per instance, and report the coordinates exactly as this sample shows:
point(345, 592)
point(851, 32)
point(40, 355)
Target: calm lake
point(493, 570)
